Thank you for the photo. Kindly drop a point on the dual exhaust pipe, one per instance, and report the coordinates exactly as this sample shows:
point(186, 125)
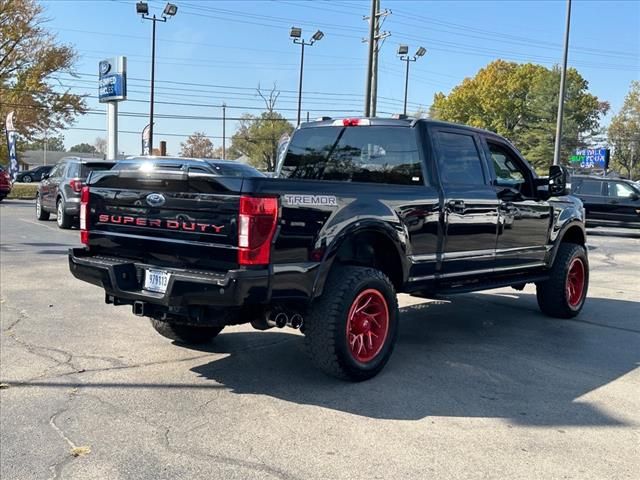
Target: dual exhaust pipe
point(279, 318)
point(283, 319)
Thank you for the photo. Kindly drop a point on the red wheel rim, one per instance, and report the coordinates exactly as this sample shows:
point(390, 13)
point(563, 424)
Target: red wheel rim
point(367, 325)
point(575, 282)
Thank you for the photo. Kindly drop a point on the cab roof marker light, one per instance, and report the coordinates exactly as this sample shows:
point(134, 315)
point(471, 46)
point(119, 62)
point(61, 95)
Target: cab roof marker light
point(352, 122)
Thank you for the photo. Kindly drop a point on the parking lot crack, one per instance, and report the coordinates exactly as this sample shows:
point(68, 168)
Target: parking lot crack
point(74, 449)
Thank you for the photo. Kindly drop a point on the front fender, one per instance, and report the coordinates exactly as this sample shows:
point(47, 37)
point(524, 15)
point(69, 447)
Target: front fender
point(568, 219)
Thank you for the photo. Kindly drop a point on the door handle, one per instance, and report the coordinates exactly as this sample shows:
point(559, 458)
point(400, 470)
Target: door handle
point(456, 206)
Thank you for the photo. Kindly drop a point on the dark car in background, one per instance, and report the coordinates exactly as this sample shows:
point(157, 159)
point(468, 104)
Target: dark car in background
point(608, 201)
point(33, 175)
point(59, 190)
point(5, 183)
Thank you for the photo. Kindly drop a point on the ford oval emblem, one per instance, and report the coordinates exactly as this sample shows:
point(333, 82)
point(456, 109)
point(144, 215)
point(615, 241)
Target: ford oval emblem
point(155, 199)
point(105, 66)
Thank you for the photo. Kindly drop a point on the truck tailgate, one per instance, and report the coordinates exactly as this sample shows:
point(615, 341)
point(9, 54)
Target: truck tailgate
point(166, 218)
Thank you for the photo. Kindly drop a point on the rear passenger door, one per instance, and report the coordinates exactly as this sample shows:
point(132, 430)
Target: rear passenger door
point(470, 204)
point(49, 185)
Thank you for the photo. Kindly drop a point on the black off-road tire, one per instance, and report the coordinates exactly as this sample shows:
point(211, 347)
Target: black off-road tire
point(552, 294)
point(187, 334)
point(64, 221)
point(40, 213)
point(326, 323)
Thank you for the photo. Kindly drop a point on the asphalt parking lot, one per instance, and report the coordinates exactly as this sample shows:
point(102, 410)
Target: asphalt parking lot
point(482, 386)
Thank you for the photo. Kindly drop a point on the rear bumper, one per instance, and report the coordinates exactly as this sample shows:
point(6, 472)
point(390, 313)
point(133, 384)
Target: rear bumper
point(123, 280)
point(72, 206)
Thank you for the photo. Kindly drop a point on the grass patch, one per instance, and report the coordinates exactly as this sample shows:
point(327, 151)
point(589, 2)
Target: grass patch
point(80, 451)
point(23, 191)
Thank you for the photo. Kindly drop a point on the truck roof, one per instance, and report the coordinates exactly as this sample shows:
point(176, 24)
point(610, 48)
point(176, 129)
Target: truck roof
point(400, 121)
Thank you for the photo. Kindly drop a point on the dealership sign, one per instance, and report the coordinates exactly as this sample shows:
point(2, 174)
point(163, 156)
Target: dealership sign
point(590, 157)
point(112, 79)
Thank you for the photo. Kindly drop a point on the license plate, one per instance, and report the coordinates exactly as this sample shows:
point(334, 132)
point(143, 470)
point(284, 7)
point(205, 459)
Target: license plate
point(156, 280)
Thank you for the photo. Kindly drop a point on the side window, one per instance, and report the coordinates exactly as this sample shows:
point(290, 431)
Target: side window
point(620, 190)
point(458, 159)
point(73, 171)
point(55, 172)
point(590, 187)
point(508, 170)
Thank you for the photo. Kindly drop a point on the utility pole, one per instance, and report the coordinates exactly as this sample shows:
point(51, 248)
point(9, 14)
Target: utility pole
point(224, 131)
point(563, 75)
point(377, 36)
point(46, 144)
point(372, 35)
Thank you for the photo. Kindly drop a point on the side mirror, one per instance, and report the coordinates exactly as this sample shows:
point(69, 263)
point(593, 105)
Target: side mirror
point(45, 176)
point(558, 178)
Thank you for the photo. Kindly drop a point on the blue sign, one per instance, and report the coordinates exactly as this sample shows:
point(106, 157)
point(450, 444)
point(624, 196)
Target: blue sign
point(112, 87)
point(592, 158)
point(112, 80)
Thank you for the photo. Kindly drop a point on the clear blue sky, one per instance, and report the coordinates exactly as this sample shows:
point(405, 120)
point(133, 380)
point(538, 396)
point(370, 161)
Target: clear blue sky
point(224, 49)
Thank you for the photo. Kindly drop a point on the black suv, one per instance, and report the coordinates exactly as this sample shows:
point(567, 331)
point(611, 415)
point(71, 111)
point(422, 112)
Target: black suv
point(33, 175)
point(59, 190)
point(608, 201)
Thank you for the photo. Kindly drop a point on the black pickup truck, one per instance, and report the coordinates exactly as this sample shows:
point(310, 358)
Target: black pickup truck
point(361, 209)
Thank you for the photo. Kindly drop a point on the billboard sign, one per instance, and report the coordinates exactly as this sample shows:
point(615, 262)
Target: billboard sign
point(112, 79)
point(590, 158)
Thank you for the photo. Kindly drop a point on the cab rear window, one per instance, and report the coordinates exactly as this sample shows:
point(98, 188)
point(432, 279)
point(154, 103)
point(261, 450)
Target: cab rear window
point(373, 154)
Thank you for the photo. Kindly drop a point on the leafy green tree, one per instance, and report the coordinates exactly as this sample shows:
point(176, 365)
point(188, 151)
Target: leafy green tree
point(197, 145)
point(519, 101)
point(624, 134)
point(257, 137)
point(83, 148)
point(29, 57)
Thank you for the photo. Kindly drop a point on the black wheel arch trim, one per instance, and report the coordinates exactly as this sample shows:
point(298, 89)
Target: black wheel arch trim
point(358, 227)
point(560, 236)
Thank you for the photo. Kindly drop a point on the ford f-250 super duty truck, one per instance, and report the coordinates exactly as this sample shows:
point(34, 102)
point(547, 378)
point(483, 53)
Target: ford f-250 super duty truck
point(361, 209)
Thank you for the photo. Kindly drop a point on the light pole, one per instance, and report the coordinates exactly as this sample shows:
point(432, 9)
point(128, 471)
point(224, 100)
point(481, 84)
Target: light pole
point(296, 35)
point(142, 9)
point(403, 52)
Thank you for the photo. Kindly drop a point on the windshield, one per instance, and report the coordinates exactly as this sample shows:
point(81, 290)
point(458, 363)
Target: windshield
point(87, 168)
point(358, 154)
point(235, 170)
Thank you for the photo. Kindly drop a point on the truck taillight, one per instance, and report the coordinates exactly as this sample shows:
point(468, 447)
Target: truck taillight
point(84, 212)
point(76, 185)
point(257, 224)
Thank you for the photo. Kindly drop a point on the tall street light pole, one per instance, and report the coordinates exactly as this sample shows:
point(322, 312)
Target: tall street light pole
point(563, 76)
point(403, 52)
point(142, 9)
point(296, 35)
